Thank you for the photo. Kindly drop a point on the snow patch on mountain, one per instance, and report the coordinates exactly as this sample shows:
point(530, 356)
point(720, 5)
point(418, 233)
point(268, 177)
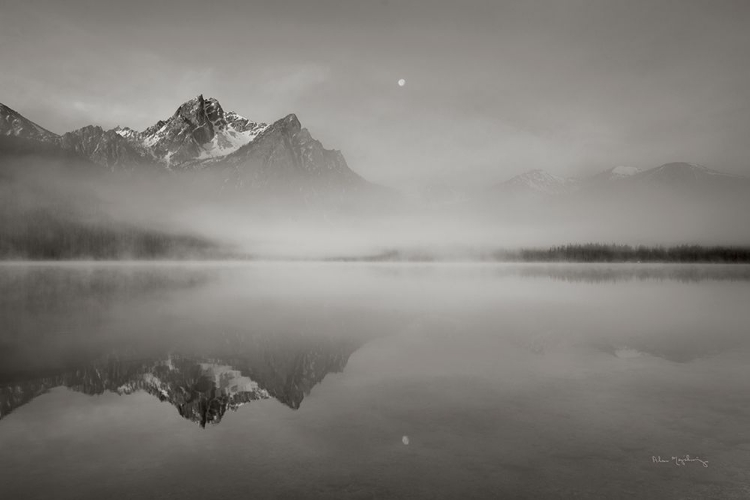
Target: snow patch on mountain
point(229, 141)
point(127, 133)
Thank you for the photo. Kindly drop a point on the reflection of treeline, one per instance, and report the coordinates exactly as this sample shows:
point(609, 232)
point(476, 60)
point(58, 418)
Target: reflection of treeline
point(604, 273)
point(44, 292)
point(594, 252)
point(42, 235)
point(386, 256)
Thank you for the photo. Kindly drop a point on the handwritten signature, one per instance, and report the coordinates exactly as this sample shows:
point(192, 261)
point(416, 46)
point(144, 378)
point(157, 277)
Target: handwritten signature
point(678, 461)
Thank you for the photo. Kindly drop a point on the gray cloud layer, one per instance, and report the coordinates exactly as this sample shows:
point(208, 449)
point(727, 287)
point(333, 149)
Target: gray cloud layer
point(493, 88)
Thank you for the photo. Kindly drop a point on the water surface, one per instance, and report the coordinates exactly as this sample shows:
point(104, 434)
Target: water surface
point(303, 381)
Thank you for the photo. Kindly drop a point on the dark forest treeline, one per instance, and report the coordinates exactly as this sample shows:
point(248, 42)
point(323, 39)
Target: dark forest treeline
point(594, 252)
point(42, 235)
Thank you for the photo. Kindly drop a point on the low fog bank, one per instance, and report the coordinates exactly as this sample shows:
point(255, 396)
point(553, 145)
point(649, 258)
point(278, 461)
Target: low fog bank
point(52, 210)
point(86, 211)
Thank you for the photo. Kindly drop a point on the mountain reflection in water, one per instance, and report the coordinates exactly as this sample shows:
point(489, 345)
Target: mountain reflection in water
point(201, 388)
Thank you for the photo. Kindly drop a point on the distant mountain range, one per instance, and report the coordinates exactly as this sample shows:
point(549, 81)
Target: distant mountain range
point(199, 135)
point(670, 175)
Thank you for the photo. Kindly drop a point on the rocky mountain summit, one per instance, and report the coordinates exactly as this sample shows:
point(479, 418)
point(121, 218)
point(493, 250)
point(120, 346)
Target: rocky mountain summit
point(198, 130)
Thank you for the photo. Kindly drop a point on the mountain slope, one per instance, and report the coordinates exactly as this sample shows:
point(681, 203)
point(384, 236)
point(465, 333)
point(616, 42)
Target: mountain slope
point(14, 124)
point(285, 155)
point(108, 148)
point(685, 174)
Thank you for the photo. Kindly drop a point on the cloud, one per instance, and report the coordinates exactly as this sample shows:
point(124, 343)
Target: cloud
point(291, 83)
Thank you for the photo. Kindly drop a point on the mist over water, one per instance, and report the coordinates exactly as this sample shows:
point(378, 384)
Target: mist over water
point(273, 224)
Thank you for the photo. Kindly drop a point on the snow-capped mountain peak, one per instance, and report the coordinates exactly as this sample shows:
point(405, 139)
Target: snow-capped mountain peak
point(198, 130)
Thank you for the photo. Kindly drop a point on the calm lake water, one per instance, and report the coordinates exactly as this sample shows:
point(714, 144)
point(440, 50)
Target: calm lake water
point(374, 381)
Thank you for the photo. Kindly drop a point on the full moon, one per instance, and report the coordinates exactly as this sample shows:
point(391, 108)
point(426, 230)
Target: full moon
point(401, 82)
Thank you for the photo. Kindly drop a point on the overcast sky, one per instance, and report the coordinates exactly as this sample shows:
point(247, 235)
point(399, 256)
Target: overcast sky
point(492, 88)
